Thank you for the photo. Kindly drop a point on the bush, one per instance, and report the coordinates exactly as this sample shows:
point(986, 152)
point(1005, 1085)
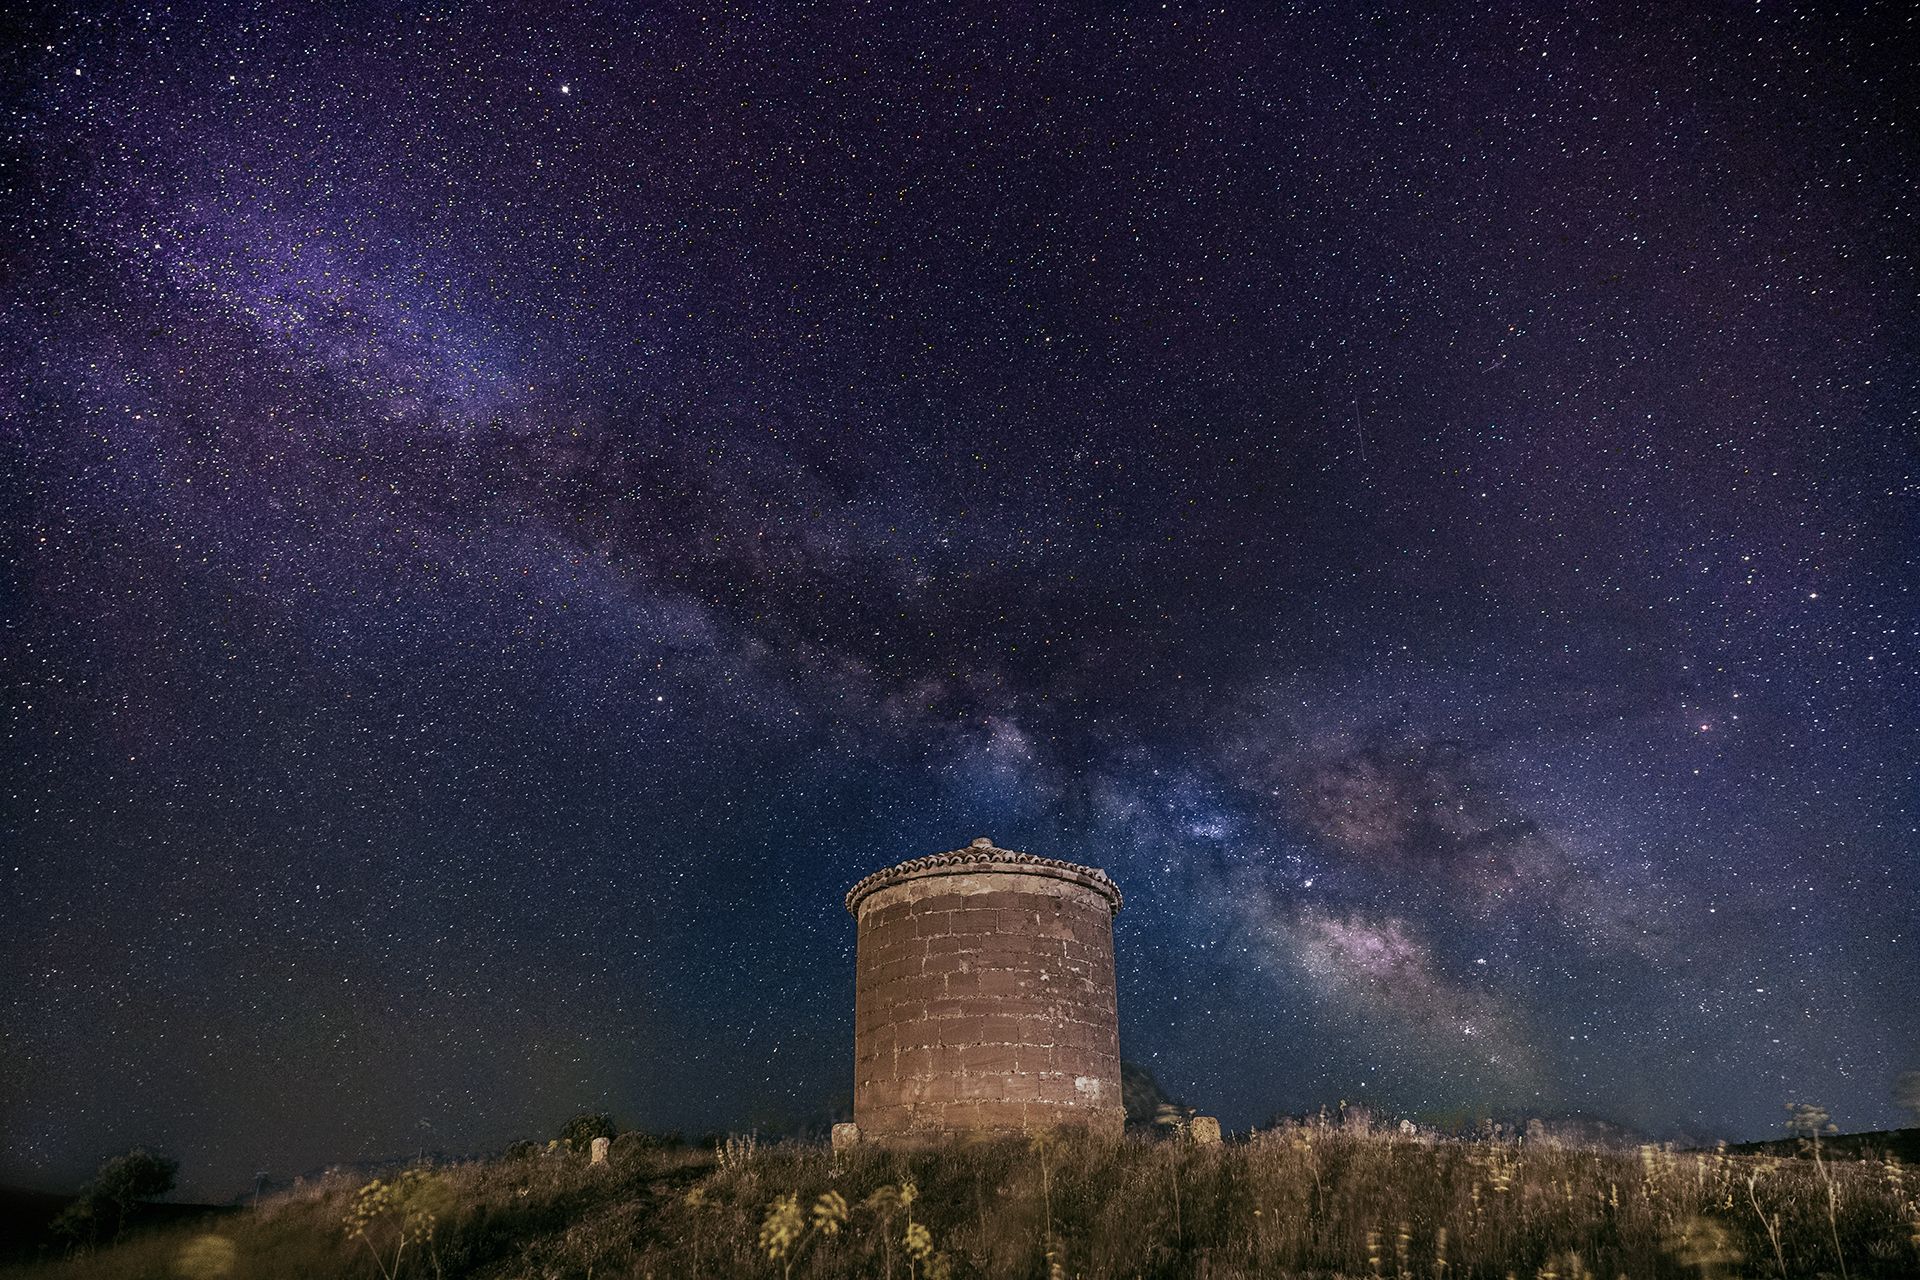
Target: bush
point(121, 1182)
point(580, 1131)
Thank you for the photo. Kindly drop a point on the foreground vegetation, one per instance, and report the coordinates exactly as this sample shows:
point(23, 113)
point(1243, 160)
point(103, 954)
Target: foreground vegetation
point(1299, 1200)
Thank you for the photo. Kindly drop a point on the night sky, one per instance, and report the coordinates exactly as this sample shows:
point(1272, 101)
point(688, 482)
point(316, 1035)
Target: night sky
point(509, 512)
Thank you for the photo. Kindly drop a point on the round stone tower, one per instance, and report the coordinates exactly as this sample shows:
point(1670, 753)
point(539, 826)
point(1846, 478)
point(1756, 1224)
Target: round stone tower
point(984, 998)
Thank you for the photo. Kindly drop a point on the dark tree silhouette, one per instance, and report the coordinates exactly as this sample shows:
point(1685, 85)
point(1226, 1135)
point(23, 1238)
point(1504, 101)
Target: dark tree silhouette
point(105, 1203)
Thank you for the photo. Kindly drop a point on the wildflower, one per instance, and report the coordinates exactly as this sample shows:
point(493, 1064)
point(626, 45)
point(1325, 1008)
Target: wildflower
point(389, 1216)
point(737, 1151)
point(829, 1212)
point(782, 1228)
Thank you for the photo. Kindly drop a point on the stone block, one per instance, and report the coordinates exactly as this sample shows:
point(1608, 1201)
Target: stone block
point(974, 920)
point(1000, 1115)
point(846, 1135)
point(600, 1148)
point(1033, 1057)
point(1000, 1029)
point(1205, 1131)
point(987, 1059)
point(1005, 982)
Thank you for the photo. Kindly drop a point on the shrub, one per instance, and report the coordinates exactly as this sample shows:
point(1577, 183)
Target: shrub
point(122, 1182)
point(579, 1132)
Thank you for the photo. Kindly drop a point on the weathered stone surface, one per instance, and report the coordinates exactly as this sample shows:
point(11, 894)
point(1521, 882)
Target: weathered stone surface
point(984, 997)
point(600, 1146)
point(1205, 1131)
point(845, 1134)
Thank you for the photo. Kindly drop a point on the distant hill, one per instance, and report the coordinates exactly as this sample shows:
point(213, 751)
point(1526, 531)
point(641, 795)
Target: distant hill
point(1901, 1143)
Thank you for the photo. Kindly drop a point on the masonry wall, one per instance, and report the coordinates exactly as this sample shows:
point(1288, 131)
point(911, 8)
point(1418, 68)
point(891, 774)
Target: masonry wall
point(984, 1003)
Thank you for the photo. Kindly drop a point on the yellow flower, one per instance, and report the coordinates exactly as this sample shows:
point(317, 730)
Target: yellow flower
point(782, 1226)
point(829, 1211)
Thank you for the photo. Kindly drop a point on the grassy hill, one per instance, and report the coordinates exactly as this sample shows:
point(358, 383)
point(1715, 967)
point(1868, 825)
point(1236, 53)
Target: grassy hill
point(1298, 1200)
point(26, 1217)
point(1901, 1144)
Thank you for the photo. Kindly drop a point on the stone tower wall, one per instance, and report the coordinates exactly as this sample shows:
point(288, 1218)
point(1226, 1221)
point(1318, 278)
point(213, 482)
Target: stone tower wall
point(984, 998)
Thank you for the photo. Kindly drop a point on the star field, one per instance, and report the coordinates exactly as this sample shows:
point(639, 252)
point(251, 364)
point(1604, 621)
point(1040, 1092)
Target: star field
point(508, 516)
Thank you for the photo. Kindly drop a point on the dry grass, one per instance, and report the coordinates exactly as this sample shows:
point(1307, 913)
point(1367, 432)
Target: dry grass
point(1305, 1200)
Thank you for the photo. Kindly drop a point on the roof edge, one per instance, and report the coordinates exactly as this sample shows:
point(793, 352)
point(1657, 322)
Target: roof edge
point(984, 855)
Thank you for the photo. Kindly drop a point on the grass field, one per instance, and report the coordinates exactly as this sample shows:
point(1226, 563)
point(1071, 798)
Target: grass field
point(1298, 1200)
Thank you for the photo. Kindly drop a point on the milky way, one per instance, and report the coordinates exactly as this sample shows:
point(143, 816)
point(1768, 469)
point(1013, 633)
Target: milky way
point(507, 518)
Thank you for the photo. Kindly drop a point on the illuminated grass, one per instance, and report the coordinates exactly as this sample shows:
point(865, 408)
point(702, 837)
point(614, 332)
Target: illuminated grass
point(1305, 1200)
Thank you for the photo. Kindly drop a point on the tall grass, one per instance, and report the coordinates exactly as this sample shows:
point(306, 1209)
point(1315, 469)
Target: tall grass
point(1299, 1200)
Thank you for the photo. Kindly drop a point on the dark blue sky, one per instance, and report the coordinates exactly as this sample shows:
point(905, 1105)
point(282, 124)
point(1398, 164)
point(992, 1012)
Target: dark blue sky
point(509, 515)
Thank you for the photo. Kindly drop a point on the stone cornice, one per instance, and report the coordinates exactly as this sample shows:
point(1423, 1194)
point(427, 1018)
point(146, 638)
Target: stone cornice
point(983, 855)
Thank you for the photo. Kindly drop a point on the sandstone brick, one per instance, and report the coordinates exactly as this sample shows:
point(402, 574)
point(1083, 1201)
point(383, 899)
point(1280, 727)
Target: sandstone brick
point(891, 933)
point(963, 984)
point(1004, 982)
point(978, 1088)
point(1000, 1029)
point(995, 1059)
point(1023, 1087)
point(920, 1034)
point(915, 990)
point(1052, 927)
point(941, 1088)
point(969, 920)
point(1008, 1115)
point(1033, 1058)
point(958, 960)
point(963, 1031)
